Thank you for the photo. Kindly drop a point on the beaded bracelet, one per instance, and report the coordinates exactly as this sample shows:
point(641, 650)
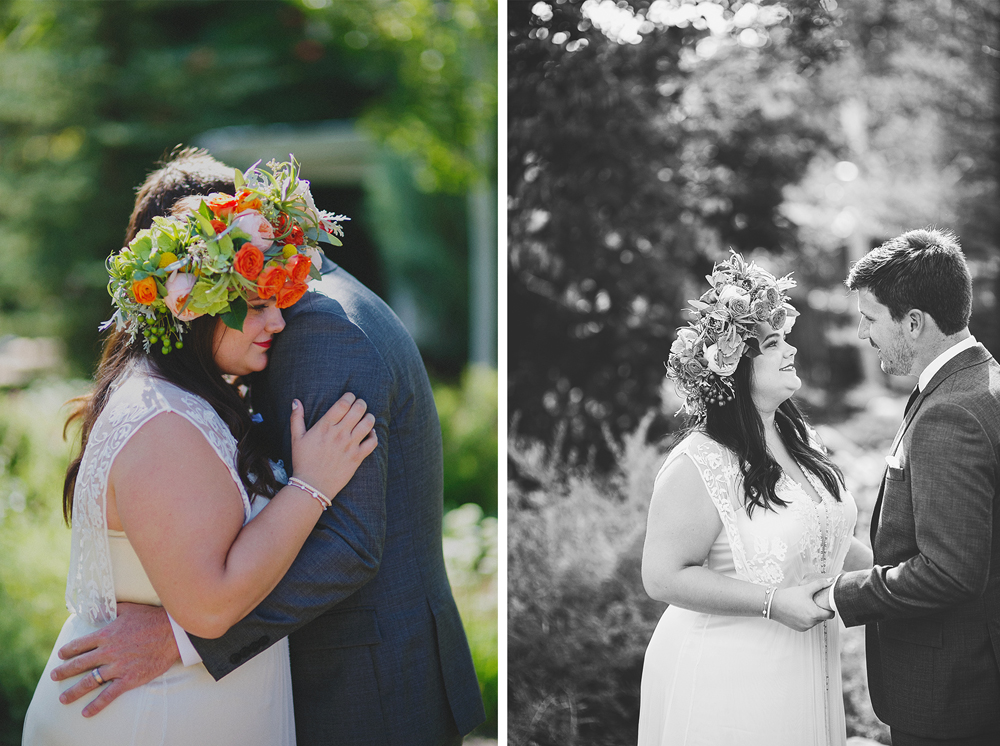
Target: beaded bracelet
point(325, 501)
point(765, 610)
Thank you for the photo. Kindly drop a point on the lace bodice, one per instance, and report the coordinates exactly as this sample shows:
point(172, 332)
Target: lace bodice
point(138, 397)
point(774, 547)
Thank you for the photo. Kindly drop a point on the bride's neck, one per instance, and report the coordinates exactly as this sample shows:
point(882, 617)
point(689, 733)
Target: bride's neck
point(771, 435)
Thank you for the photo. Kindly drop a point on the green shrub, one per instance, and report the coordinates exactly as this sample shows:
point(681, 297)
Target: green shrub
point(470, 554)
point(34, 542)
point(468, 415)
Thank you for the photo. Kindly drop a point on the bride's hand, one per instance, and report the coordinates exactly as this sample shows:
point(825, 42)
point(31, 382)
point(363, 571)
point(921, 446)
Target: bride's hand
point(327, 455)
point(795, 608)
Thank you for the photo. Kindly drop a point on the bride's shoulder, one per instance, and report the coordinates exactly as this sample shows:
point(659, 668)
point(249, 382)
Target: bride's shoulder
point(699, 445)
point(139, 390)
point(701, 450)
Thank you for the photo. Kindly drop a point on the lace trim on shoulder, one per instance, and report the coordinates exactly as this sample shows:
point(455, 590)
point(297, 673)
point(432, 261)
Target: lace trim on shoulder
point(720, 473)
point(135, 400)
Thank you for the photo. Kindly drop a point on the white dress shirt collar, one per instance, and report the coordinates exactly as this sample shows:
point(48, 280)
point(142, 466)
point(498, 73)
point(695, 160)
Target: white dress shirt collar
point(937, 363)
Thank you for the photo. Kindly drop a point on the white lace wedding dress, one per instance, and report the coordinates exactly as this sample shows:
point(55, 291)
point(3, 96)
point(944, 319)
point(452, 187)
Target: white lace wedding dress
point(252, 705)
point(711, 680)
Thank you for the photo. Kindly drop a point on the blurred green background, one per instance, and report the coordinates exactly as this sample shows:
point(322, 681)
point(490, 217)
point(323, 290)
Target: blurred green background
point(391, 108)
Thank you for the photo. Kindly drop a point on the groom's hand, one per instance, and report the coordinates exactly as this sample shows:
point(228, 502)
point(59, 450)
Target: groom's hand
point(821, 597)
point(133, 650)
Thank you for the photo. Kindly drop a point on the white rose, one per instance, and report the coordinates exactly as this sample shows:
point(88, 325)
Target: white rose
point(719, 364)
point(256, 226)
point(179, 286)
point(728, 294)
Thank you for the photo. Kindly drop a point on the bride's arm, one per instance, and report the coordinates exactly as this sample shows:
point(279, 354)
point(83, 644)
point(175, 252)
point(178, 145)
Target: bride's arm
point(680, 530)
point(183, 515)
point(859, 556)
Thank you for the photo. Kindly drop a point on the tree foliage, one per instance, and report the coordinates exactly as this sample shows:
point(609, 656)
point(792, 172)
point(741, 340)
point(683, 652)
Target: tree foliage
point(633, 163)
point(92, 94)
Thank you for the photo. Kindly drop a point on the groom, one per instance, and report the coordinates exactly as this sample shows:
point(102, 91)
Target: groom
point(378, 651)
point(932, 602)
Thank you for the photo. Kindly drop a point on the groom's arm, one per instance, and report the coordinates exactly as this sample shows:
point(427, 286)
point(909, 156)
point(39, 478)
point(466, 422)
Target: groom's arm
point(951, 471)
point(324, 355)
point(316, 358)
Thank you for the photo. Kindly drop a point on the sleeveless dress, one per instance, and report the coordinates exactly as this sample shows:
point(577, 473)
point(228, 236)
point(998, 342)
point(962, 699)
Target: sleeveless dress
point(711, 680)
point(184, 706)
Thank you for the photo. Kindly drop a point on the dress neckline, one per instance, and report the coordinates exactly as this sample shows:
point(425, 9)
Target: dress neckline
point(820, 490)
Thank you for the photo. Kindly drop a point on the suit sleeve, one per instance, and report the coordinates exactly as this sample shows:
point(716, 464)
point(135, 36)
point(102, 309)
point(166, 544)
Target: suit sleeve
point(331, 356)
point(952, 472)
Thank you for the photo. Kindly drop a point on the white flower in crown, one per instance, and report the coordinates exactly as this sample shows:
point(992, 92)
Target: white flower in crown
point(256, 226)
point(179, 286)
point(706, 353)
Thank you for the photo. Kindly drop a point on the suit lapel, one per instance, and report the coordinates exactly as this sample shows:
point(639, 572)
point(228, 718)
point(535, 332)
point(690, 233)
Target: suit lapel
point(965, 359)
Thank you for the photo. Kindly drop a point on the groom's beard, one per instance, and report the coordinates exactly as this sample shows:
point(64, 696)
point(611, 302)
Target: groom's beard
point(896, 358)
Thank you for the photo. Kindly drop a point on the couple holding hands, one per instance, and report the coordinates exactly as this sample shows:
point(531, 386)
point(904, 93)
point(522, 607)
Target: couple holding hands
point(750, 528)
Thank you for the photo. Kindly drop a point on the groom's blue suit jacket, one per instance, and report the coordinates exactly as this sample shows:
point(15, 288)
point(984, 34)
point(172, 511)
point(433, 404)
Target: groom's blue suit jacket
point(378, 651)
point(932, 601)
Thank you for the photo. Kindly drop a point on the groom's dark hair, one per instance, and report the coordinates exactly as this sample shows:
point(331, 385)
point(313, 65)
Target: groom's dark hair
point(183, 172)
point(922, 269)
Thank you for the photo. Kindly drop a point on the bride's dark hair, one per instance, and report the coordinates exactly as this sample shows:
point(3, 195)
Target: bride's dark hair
point(185, 172)
point(192, 368)
point(737, 426)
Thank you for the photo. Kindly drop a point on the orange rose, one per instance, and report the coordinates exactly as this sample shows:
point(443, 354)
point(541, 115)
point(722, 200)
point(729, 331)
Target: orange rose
point(290, 294)
point(298, 267)
point(144, 290)
point(246, 200)
point(296, 236)
point(249, 261)
point(271, 280)
point(222, 205)
point(218, 226)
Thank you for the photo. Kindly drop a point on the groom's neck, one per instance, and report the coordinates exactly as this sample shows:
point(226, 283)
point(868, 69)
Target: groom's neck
point(926, 354)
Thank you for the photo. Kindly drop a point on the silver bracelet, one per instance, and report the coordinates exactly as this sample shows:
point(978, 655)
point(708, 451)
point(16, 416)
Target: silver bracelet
point(765, 609)
point(325, 501)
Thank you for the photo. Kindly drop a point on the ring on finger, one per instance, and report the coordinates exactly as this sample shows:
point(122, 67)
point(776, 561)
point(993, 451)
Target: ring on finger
point(96, 673)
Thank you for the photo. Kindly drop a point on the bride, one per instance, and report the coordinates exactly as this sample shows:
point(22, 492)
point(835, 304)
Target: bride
point(172, 471)
point(748, 519)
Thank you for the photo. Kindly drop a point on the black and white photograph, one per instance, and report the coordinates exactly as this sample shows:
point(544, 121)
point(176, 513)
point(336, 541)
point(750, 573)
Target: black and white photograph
point(753, 445)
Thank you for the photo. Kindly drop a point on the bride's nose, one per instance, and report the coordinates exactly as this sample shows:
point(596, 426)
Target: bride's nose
point(275, 321)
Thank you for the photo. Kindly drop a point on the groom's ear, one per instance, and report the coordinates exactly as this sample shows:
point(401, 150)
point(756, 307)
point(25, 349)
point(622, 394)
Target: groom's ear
point(918, 323)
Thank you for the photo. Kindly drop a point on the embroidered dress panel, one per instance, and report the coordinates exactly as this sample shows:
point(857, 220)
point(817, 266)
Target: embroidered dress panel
point(137, 398)
point(185, 705)
point(694, 661)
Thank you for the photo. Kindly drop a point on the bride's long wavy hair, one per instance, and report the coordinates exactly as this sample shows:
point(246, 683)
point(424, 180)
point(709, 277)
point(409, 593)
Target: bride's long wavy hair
point(737, 425)
point(192, 368)
point(182, 173)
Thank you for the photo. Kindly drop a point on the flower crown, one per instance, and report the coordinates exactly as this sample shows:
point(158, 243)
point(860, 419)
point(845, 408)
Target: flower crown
point(705, 353)
point(263, 240)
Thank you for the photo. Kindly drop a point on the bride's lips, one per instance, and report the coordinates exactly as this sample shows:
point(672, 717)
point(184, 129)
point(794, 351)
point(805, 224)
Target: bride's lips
point(265, 345)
